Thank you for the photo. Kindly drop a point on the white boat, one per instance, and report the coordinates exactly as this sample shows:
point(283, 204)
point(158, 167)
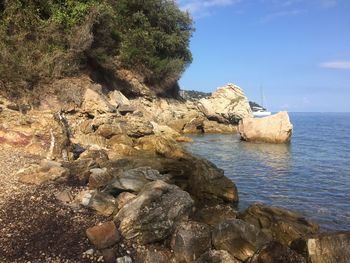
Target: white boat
point(260, 112)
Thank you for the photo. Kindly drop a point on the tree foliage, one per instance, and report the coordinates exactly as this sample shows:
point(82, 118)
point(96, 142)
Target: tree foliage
point(42, 40)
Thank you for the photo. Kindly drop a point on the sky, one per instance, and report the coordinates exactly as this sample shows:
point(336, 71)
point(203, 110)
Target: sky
point(296, 51)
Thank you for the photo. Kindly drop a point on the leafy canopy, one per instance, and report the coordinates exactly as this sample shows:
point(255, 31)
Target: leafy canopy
point(41, 40)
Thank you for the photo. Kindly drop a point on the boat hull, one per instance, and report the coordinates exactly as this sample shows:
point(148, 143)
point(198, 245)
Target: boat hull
point(262, 114)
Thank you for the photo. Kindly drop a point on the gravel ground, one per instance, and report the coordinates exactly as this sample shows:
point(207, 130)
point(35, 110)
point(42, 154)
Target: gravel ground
point(34, 225)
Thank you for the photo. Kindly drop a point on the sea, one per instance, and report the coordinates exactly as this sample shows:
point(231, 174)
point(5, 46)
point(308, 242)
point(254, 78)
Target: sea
point(310, 175)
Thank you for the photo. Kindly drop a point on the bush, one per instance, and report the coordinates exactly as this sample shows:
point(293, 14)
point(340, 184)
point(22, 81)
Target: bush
point(42, 40)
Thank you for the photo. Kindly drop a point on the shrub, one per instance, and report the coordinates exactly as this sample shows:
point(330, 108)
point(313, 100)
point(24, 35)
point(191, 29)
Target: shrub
point(42, 40)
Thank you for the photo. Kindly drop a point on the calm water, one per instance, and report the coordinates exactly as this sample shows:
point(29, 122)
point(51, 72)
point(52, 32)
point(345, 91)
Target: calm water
point(311, 175)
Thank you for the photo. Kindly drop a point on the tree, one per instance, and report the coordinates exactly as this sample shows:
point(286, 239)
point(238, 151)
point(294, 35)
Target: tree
point(42, 40)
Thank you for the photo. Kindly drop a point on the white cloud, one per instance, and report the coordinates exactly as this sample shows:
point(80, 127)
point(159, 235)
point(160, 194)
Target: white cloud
point(203, 7)
point(340, 64)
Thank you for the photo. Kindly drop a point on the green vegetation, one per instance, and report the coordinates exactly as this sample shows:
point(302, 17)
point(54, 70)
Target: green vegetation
point(43, 40)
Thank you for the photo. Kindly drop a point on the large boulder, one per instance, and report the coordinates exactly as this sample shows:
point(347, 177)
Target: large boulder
point(151, 216)
point(272, 129)
point(227, 104)
point(279, 224)
point(239, 238)
point(202, 179)
point(190, 240)
point(325, 248)
point(206, 181)
point(275, 252)
point(134, 180)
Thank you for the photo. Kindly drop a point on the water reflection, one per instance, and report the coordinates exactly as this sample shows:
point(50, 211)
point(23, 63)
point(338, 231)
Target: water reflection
point(275, 156)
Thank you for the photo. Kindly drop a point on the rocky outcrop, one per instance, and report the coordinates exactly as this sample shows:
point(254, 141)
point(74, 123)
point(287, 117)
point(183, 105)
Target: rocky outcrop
point(151, 216)
point(279, 224)
point(239, 238)
point(40, 133)
point(275, 252)
point(272, 129)
point(134, 180)
point(324, 248)
point(44, 172)
point(209, 182)
point(190, 240)
point(227, 104)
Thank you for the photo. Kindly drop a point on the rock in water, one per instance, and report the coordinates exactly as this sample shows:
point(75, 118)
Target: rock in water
point(280, 224)
point(227, 104)
point(325, 248)
point(275, 252)
point(239, 238)
point(272, 129)
point(152, 214)
point(190, 240)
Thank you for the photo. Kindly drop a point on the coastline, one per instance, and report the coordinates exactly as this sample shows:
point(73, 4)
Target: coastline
point(122, 177)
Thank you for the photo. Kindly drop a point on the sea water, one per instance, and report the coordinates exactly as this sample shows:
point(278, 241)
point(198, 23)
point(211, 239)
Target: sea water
point(310, 175)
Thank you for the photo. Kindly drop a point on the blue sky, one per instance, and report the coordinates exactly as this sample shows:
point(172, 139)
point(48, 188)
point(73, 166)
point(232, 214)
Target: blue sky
point(298, 51)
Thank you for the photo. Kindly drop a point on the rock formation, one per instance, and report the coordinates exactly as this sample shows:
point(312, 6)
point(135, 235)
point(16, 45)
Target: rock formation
point(227, 104)
point(119, 160)
point(272, 129)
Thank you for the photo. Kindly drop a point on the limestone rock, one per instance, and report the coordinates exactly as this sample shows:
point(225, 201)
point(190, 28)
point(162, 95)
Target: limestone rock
point(95, 103)
point(217, 256)
point(38, 175)
point(272, 129)
point(324, 248)
point(117, 98)
point(190, 240)
point(103, 236)
point(227, 104)
point(275, 252)
point(124, 198)
point(279, 224)
point(152, 214)
point(239, 238)
point(215, 127)
point(135, 179)
point(136, 127)
point(163, 146)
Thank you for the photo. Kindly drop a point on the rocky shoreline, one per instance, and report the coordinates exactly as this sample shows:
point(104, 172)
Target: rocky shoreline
point(103, 178)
